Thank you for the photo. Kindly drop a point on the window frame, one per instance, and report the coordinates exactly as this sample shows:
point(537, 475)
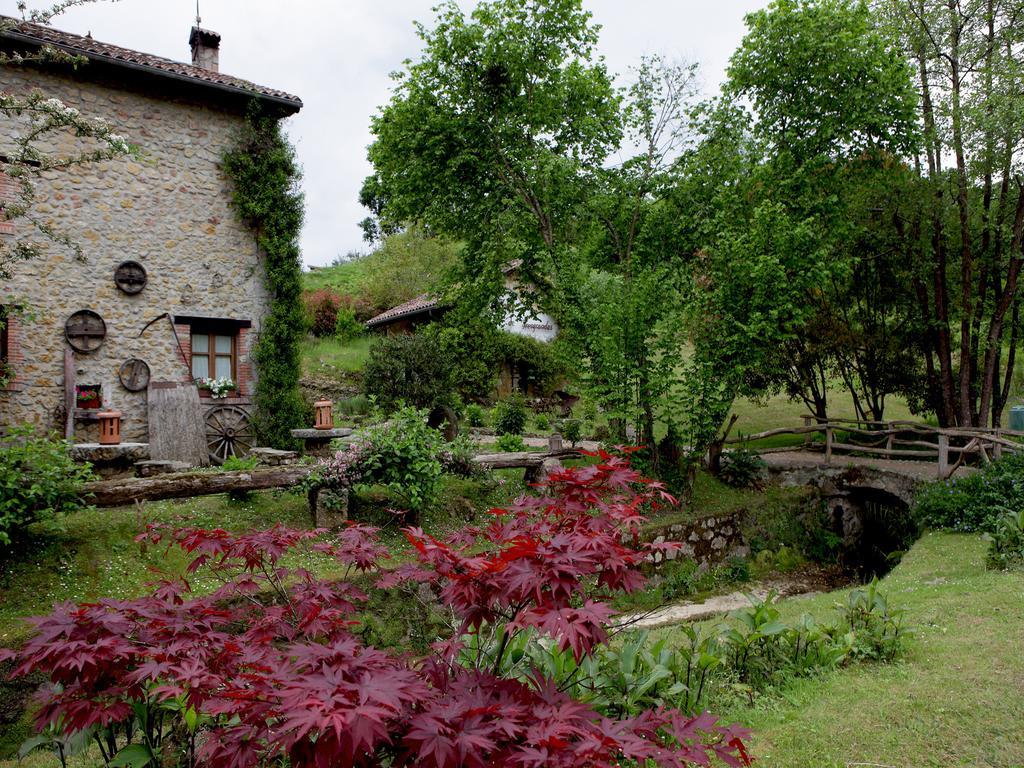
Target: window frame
point(211, 355)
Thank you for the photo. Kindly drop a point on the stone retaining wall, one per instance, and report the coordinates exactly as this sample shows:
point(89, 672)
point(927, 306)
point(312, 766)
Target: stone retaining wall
point(708, 540)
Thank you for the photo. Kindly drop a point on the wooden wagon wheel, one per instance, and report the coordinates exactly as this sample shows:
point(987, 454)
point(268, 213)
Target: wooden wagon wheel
point(228, 432)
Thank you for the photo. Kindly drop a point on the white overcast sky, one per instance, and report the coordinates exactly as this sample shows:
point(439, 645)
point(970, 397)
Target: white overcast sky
point(337, 55)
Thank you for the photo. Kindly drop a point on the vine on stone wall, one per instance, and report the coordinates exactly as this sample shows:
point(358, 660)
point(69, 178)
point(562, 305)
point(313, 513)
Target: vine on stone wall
point(267, 198)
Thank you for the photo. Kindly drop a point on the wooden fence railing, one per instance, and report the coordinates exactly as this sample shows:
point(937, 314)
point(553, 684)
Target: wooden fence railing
point(900, 440)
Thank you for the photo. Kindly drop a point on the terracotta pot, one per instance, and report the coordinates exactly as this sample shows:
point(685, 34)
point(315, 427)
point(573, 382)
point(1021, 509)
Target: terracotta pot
point(324, 414)
point(110, 428)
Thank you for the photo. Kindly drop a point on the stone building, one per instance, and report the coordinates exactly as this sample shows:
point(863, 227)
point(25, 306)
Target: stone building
point(170, 285)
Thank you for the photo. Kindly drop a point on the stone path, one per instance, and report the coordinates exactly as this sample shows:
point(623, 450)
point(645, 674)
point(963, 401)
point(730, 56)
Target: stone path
point(788, 585)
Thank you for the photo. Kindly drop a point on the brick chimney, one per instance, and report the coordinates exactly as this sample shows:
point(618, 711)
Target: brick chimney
point(205, 49)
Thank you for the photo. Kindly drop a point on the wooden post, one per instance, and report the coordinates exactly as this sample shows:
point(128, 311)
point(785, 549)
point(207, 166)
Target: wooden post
point(828, 446)
point(997, 449)
point(808, 437)
point(890, 440)
point(943, 456)
point(69, 393)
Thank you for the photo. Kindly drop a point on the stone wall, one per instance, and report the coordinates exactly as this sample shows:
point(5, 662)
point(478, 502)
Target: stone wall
point(169, 210)
point(707, 540)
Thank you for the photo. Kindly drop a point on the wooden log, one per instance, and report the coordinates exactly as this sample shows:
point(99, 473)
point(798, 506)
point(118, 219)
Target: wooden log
point(882, 452)
point(521, 459)
point(115, 493)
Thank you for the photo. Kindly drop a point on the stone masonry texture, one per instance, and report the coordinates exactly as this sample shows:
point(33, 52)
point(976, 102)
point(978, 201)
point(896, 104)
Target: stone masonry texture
point(169, 210)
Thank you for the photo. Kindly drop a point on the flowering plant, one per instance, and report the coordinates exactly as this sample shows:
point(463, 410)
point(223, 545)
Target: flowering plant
point(85, 395)
point(218, 388)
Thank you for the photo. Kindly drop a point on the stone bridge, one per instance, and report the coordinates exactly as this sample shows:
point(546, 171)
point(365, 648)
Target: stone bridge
point(868, 500)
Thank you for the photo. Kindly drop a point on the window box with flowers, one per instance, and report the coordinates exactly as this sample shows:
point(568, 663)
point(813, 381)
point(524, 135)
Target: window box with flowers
point(218, 389)
point(88, 397)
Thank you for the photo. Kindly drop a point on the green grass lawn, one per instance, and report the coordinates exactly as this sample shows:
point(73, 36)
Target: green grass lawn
point(331, 355)
point(347, 277)
point(955, 699)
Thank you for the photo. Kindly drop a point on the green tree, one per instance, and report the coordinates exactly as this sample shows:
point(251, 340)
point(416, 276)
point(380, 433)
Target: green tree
point(489, 134)
point(965, 226)
point(406, 265)
point(761, 203)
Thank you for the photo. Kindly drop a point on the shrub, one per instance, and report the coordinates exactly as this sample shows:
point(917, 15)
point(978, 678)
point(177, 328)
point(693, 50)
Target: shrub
point(509, 443)
point(238, 464)
point(321, 311)
point(510, 416)
point(542, 422)
point(354, 406)
point(742, 468)
point(410, 369)
point(975, 502)
point(1006, 541)
point(346, 326)
point(475, 415)
point(401, 454)
point(38, 481)
point(225, 679)
point(876, 628)
point(572, 430)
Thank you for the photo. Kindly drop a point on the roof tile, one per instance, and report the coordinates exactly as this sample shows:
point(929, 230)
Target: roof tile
point(94, 49)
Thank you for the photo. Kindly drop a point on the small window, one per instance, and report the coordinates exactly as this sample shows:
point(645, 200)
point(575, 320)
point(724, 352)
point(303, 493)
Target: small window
point(214, 356)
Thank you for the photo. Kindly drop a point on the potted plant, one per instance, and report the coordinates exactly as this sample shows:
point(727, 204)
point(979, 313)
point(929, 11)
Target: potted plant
point(88, 397)
point(218, 388)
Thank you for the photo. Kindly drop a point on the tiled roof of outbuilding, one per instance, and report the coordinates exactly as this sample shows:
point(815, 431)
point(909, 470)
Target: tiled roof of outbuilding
point(413, 307)
point(37, 34)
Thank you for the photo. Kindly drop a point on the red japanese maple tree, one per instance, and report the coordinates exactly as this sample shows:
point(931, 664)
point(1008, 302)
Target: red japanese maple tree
point(268, 666)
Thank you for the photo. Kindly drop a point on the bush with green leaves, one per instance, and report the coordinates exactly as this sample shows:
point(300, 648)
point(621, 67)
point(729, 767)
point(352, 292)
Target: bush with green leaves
point(475, 415)
point(974, 502)
point(752, 650)
point(410, 369)
point(572, 430)
point(238, 464)
point(346, 326)
point(402, 454)
point(1006, 542)
point(875, 629)
point(39, 481)
point(541, 422)
point(510, 415)
point(742, 468)
point(509, 443)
